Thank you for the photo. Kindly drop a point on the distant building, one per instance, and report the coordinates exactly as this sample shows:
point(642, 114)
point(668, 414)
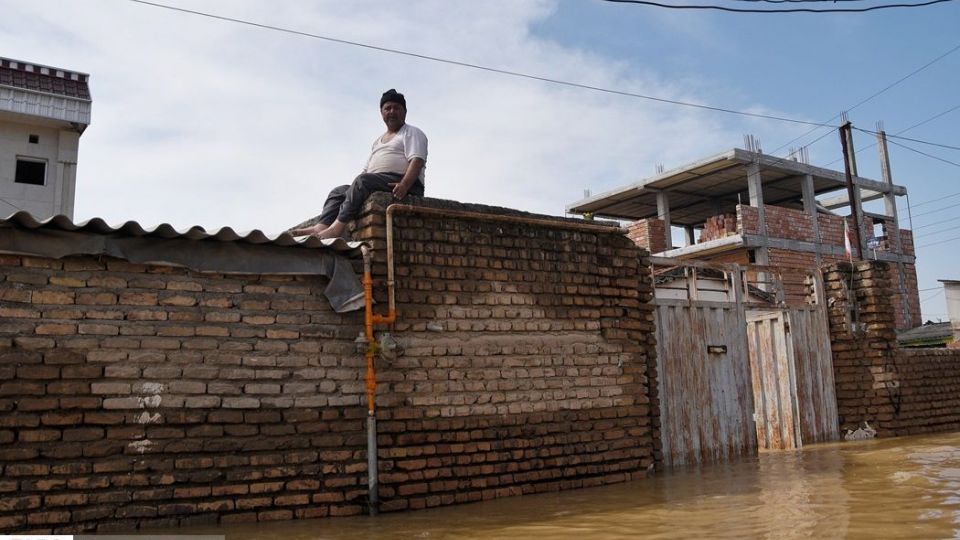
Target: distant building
point(951, 290)
point(43, 112)
point(747, 207)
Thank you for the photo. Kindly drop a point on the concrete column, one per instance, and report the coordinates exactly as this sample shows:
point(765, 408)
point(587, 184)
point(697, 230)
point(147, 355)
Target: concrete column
point(66, 179)
point(810, 207)
point(688, 237)
point(663, 213)
point(890, 204)
point(755, 188)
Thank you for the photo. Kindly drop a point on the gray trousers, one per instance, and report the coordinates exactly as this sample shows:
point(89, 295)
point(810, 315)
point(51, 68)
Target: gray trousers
point(344, 202)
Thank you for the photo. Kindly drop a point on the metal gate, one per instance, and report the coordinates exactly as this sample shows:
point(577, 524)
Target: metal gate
point(728, 383)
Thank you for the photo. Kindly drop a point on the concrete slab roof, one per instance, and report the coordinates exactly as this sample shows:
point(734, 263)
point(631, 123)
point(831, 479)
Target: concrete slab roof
point(715, 185)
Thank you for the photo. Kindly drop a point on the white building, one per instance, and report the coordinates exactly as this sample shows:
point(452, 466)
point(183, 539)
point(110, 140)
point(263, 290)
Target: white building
point(951, 290)
point(43, 112)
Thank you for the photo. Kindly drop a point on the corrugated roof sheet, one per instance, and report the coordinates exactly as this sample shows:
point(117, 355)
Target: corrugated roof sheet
point(927, 332)
point(166, 231)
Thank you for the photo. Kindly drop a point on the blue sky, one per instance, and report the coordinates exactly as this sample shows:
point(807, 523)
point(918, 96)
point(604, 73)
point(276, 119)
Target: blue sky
point(811, 67)
point(203, 122)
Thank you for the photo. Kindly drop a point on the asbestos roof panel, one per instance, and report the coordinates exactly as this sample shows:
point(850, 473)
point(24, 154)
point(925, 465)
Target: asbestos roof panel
point(166, 231)
point(927, 332)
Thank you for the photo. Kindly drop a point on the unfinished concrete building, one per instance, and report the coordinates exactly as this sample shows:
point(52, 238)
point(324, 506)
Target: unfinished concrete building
point(745, 207)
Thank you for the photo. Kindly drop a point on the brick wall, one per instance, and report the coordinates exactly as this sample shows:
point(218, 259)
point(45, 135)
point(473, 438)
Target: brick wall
point(155, 396)
point(144, 396)
point(543, 376)
point(898, 392)
point(649, 234)
point(790, 224)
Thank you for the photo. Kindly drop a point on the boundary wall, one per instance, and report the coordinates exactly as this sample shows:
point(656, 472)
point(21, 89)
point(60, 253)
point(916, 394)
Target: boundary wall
point(135, 396)
point(895, 391)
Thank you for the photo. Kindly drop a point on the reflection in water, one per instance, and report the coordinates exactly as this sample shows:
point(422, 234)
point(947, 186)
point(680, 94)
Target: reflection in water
point(896, 488)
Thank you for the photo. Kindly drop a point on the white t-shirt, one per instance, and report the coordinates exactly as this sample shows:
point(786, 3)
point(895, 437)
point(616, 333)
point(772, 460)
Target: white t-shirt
point(394, 155)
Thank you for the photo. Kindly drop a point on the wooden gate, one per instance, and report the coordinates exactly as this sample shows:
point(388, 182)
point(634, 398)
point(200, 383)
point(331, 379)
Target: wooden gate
point(793, 386)
point(728, 383)
point(704, 383)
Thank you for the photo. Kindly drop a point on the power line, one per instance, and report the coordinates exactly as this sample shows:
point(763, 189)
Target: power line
point(10, 203)
point(925, 142)
point(881, 91)
point(954, 239)
point(786, 10)
point(931, 156)
point(871, 132)
point(938, 210)
point(478, 66)
point(937, 223)
point(952, 195)
point(918, 124)
point(797, 1)
point(932, 296)
point(928, 289)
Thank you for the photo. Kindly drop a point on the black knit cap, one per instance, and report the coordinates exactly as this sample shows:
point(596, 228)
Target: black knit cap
point(394, 96)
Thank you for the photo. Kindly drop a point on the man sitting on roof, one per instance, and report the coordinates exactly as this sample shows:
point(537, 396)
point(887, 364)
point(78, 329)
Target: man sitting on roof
point(396, 164)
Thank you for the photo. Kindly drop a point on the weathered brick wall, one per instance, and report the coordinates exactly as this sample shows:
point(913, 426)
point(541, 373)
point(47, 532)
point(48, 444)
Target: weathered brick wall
point(649, 234)
point(543, 376)
point(144, 396)
point(898, 392)
point(929, 390)
point(155, 396)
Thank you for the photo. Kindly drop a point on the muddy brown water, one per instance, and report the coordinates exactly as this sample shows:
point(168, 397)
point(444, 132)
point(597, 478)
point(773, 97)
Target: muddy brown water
point(894, 488)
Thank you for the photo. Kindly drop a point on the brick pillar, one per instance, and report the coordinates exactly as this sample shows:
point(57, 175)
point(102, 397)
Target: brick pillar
point(864, 345)
point(649, 234)
point(649, 342)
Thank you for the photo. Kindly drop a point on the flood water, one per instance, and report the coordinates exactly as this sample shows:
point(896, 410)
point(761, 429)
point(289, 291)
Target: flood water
point(894, 488)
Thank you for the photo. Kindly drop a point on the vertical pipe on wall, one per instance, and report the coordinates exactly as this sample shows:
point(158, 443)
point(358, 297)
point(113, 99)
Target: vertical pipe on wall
point(373, 487)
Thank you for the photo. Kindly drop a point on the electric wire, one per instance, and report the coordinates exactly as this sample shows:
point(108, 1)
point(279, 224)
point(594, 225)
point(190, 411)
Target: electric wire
point(932, 296)
point(937, 210)
point(783, 10)
point(931, 156)
point(875, 94)
point(947, 146)
point(942, 221)
point(950, 196)
point(478, 66)
point(918, 124)
point(796, 1)
point(10, 203)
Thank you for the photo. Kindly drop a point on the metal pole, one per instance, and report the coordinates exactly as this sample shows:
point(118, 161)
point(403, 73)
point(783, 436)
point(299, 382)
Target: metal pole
point(373, 483)
point(850, 189)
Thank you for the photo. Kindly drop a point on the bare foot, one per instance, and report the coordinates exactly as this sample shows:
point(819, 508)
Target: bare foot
point(309, 231)
point(333, 231)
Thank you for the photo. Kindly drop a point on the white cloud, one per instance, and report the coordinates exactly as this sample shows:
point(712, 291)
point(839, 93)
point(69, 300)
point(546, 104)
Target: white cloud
point(198, 121)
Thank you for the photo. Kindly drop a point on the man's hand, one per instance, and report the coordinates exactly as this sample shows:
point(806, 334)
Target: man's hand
point(399, 190)
point(411, 175)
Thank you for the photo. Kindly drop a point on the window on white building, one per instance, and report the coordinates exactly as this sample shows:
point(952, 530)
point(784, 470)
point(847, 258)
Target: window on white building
point(31, 171)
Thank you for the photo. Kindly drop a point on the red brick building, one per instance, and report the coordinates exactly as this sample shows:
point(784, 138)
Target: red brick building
point(747, 207)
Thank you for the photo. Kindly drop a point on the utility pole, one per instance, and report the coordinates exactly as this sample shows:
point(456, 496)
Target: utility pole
point(849, 160)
